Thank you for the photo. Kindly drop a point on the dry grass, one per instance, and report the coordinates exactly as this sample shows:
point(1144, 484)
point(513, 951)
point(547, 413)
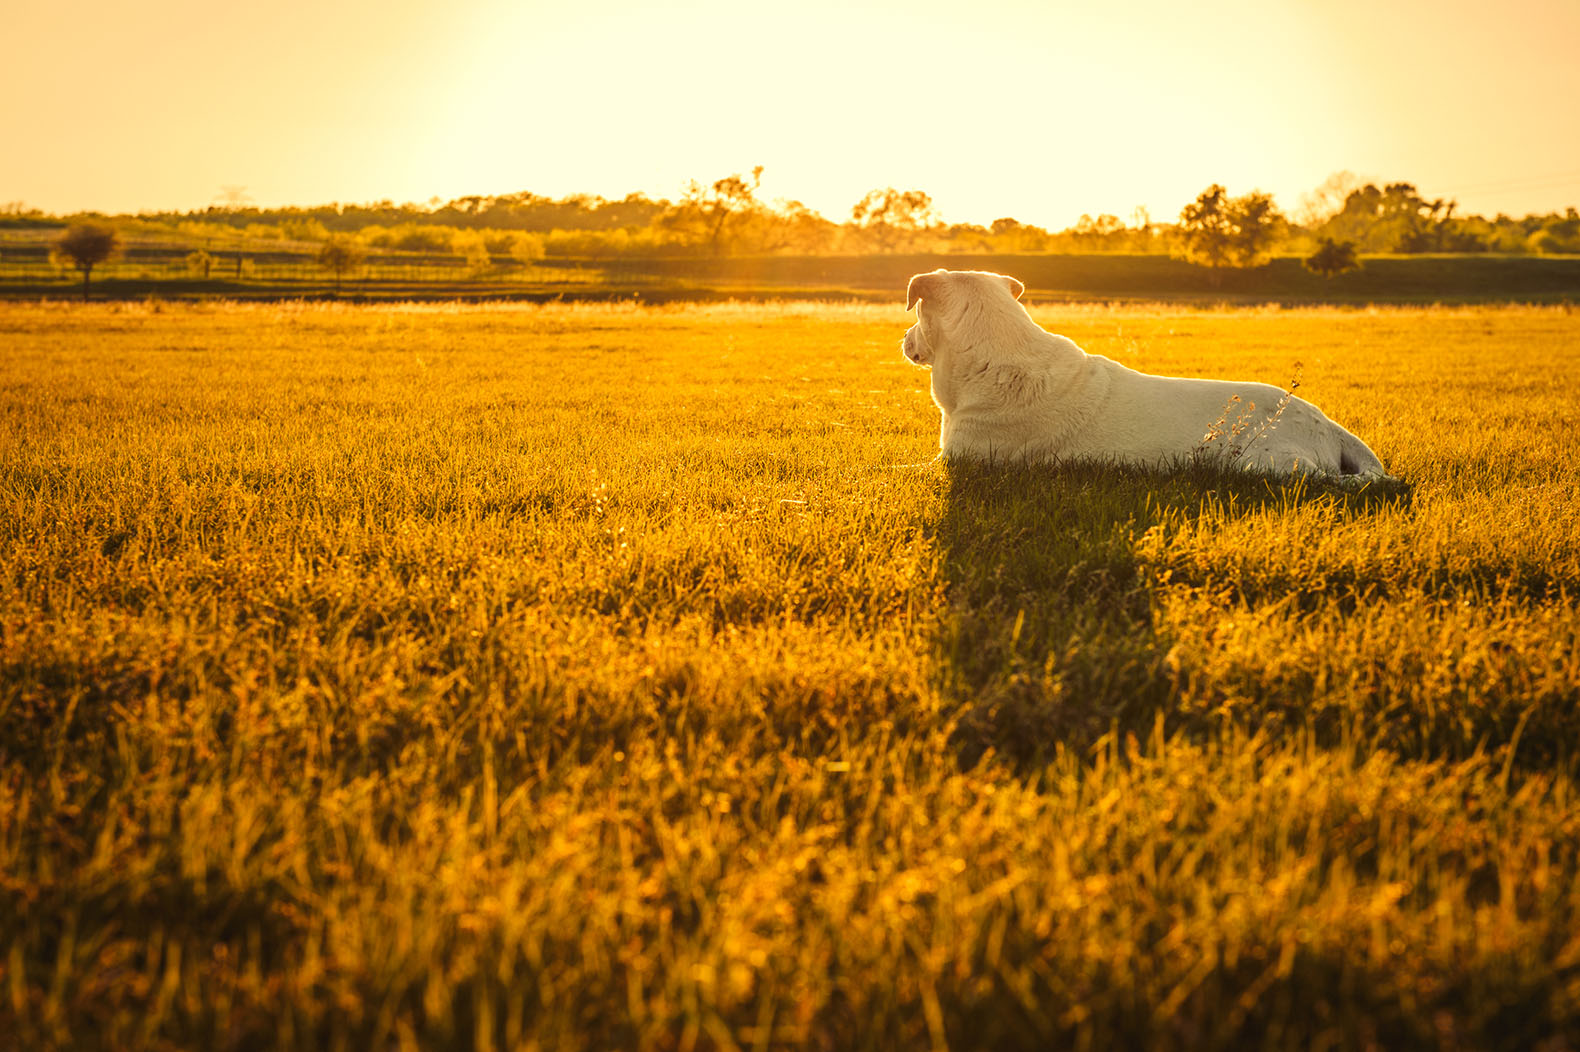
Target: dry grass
point(594, 677)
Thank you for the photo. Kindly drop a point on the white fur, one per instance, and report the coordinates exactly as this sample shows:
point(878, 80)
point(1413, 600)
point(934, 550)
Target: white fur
point(1010, 390)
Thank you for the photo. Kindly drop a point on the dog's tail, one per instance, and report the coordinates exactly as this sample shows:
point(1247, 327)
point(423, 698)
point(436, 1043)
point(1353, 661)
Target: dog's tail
point(1356, 458)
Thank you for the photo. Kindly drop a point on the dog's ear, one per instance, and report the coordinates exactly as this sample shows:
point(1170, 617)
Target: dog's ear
point(919, 286)
point(1015, 287)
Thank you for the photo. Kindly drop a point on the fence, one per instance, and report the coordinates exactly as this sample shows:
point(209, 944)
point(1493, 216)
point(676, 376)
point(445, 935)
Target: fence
point(30, 263)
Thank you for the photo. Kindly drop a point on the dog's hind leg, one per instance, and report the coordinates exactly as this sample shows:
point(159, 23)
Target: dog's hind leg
point(1356, 458)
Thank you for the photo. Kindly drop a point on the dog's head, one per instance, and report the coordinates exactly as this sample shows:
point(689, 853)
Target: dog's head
point(946, 301)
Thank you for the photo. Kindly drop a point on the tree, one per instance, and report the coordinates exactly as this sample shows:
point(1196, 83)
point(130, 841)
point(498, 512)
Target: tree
point(1006, 234)
point(1206, 229)
point(1333, 258)
point(790, 226)
point(1218, 231)
point(1397, 218)
point(200, 263)
point(526, 248)
point(1143, 233)
point(1327, 200)
point(409, 237)
point(1556, 234)
point(893, 218)
point(341, 255)
point(308, 229)
point(86, 245)
point(704, 213)
point(478, 258)
point(1102, 234)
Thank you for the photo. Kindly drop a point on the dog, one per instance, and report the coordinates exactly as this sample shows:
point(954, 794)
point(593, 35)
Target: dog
point(1010, 390)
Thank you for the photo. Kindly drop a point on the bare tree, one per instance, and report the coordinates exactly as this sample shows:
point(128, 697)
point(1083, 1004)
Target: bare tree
point(1326, 201)
point(86, 245)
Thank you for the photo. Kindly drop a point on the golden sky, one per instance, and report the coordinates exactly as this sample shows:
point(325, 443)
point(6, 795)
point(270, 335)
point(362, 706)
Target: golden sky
point(1041, 111)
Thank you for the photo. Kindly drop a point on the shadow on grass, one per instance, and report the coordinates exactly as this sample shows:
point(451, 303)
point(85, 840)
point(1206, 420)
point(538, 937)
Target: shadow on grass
point(1052, 640)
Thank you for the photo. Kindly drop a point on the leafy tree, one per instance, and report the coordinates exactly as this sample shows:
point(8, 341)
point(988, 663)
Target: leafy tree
point(588, 244)
point(341, 255)
point(1396, 218)
point(1556, 234)
point(728, 216)
point(525, 247)
point(969, 237)
point(892, 218)
point(1433, 228)
point(1105, 233)
point(1006, 234)
point(1218, 231)
point(304, 230)
point(1333, 258)
point(704, 213)
point(789, 226)
point(86, 245)
point(200, 263)
point(1206, 229)
point(409, 237)
point(478, 258)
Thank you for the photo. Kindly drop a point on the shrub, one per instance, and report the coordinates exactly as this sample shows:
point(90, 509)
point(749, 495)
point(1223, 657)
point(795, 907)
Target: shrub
point(1333, 258)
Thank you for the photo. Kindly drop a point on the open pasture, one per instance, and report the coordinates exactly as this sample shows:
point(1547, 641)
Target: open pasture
point(611, 677)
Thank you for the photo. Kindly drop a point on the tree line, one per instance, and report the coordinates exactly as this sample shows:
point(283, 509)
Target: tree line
point(1335, 224)
point(730, 216)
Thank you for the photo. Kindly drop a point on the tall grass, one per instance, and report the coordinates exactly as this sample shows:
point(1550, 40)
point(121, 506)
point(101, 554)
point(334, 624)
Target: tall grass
point(590, 677)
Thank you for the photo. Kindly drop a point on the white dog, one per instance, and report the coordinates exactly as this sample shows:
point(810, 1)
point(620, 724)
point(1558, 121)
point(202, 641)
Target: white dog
point(1010, 390)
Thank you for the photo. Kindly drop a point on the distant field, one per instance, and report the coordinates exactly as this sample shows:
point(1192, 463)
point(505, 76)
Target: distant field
point(1420, 280)
point(593, 676)
point(287, 271)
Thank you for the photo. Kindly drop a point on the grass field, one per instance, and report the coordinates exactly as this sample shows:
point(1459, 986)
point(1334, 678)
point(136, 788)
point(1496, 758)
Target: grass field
point(602, 677)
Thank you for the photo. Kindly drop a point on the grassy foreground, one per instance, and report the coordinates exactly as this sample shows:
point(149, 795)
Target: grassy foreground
point(601, 677)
